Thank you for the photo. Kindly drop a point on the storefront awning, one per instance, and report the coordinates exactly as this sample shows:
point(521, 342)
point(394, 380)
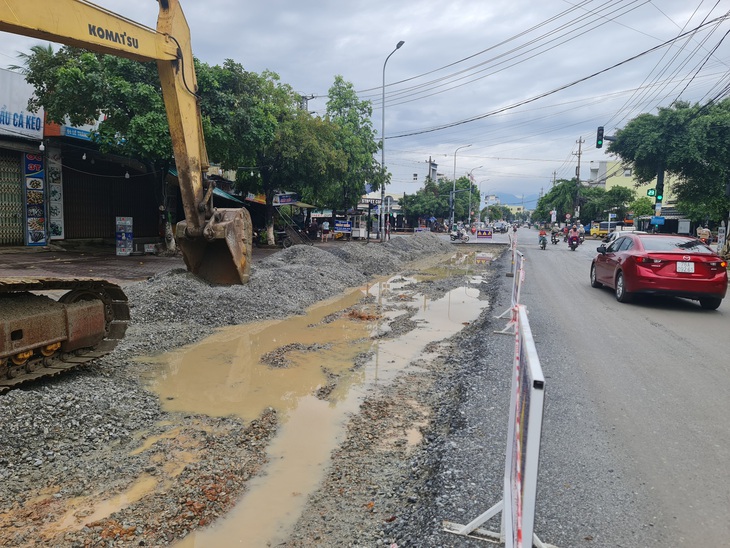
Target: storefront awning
point(223, 194)
point(298, 204)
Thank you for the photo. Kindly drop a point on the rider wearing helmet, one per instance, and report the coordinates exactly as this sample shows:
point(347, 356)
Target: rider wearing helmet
point(573, 234)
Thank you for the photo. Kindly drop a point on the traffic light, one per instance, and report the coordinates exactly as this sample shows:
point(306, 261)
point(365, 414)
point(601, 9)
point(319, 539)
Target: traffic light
point(599, 137)
point(659, 195)
point(651, 192)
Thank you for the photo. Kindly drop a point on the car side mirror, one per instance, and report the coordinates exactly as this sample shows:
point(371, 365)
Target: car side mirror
point(601, 249)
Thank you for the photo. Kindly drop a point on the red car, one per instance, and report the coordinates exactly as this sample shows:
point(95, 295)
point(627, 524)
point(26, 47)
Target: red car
point(661, 264)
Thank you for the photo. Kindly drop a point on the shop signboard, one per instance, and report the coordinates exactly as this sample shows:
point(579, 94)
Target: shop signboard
point(285, 199)
point(124, 234)
point(15, 119)
point(35, 199)
point(343, 226)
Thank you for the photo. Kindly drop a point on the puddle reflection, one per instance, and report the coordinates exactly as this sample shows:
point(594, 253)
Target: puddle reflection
point(223, 375)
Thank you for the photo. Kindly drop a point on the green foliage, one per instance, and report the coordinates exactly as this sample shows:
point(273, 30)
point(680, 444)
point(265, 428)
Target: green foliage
point(81, 86)
point(355, 141)
point(595, 203)
point(692, 142)
point(562, 197)
point(433, 200)
point(642, 206)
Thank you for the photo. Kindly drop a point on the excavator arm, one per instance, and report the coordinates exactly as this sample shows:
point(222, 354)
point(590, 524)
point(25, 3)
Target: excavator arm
point(216, 244)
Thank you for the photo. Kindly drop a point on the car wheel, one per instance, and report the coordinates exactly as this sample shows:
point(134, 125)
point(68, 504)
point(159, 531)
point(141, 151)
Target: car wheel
point(710, 303)
point(622, 295)
point(594, 281)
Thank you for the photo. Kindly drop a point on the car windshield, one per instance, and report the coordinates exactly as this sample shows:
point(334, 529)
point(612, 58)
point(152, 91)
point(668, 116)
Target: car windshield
point(671, 243)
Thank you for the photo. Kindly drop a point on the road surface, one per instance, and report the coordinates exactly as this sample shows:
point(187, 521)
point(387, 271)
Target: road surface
point(656, 375)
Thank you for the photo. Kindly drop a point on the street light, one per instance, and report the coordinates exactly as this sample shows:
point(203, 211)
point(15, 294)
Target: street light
point(453, 192)
point(382, 148)
point(470, 185)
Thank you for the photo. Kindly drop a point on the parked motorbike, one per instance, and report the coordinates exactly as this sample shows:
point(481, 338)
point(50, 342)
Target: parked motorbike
point(459, 236)
point(543, 242)
point(574, 243)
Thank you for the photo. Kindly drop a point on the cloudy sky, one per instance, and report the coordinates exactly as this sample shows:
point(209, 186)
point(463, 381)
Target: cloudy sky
point(519, 81)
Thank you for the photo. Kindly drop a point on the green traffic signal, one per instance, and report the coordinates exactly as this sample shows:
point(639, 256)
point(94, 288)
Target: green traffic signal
point(599, 137)
point(659, 197)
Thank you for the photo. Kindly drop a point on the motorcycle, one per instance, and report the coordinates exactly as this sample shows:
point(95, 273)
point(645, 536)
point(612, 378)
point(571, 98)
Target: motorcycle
point(574, 243)
point(554, 238)
point(543, 242)
point(459, 236)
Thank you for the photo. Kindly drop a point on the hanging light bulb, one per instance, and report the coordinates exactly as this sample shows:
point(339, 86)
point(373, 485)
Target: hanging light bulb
point(42, 147)
point(126, 175)
point(84, 156)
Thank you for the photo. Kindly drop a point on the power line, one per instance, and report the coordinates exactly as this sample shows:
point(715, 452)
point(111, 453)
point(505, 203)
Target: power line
point(555, 90)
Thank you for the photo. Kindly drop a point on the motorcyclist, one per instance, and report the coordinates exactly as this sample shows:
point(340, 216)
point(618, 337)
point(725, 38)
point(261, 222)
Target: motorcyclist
point(542, 236)
point(554, 231)
point(573, 233)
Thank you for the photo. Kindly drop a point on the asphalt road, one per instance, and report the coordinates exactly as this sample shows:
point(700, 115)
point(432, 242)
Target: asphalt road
point(651, 378)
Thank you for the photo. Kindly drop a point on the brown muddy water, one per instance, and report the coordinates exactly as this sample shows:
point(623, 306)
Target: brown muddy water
point(242, 370)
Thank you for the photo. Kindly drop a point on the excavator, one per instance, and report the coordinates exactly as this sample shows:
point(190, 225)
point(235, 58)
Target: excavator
point(43, 336)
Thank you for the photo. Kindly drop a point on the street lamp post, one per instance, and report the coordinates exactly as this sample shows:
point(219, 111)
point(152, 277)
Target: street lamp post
point(453, 192)
point(479, 201)
point(382, 148)
point(470, 185)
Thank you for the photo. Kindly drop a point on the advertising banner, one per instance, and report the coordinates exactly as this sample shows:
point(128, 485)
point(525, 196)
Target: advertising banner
point(35, 199)
point(125, 238)
point(55, 187)
point(343, 226)
point(15, 119)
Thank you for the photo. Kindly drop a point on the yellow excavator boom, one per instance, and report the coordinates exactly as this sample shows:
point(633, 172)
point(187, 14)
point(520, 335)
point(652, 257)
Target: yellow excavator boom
point(216, 245)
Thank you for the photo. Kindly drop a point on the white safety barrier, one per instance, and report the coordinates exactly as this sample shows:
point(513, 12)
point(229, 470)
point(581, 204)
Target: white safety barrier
point(513, 251)
point(519, 276)
point(523, 451)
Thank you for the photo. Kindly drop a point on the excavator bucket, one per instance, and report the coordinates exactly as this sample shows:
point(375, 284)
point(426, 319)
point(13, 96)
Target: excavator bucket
point(223, 255)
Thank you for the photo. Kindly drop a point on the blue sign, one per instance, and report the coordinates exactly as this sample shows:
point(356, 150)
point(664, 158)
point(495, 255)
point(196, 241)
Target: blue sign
point(343, 226)
point(657, 220)
point(485, 233)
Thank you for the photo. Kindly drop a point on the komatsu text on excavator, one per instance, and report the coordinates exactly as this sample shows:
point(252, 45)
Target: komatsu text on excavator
point(41, 336)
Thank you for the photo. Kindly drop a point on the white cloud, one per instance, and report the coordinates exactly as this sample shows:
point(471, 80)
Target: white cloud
point(308, 43)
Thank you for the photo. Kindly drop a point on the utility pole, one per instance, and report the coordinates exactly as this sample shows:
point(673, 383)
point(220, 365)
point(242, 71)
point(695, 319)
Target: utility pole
point(580, 142)
point(304, 105)
point(555, 176)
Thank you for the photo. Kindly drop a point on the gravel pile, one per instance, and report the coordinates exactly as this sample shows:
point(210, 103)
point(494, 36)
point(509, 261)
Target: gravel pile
point(73, 438)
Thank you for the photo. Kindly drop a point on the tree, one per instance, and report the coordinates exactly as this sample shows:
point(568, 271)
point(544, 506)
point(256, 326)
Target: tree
point(617, 200)
point(82, 86)
point(430, 201)
point(592, 205)
point(691, 142)
point(641, 206)
point(355, 140)
point(562, 197)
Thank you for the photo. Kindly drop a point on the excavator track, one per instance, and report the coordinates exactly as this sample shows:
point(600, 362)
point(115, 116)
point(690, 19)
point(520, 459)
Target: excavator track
point(52, 325)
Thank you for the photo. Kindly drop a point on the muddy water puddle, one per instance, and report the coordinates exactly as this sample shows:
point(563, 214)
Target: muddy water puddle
point(314, 370)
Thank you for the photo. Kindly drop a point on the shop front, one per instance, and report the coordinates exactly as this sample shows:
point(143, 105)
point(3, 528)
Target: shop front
point(22, 177)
